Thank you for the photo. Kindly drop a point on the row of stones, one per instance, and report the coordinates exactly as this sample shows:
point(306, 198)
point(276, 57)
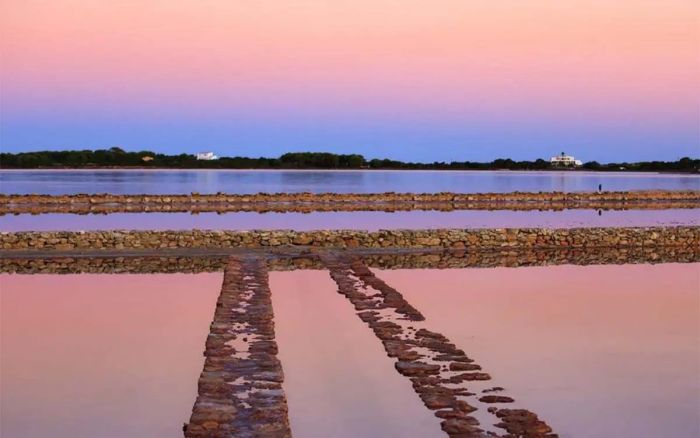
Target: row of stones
point(688, 236)
point(309, 202)
point(439, 371)
point(101, 209)
point(107, 198)
point(240, 389)
point(431, 260)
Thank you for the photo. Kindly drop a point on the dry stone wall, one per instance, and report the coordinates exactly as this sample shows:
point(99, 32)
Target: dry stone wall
point(240, 388)
point(681, 236)
point(394, 260)
point(308, 202)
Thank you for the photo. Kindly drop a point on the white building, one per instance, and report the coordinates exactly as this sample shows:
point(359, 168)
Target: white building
point(208, 156)
point(564, 160)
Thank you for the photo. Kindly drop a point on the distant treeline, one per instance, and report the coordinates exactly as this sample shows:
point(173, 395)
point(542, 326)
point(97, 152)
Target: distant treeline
point(117, 157)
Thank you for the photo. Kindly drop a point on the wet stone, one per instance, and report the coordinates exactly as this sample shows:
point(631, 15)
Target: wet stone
point(239, 390)
point(438, 377)
point(437, 399)
point(496, 399)
point(462, 366)
point(415, 368)
point(467, 377)
point(463, 427)
point(521, 422)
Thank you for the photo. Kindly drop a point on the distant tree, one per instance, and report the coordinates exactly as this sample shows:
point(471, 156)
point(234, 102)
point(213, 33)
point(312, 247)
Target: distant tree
point(116, 156)
point(541, 164)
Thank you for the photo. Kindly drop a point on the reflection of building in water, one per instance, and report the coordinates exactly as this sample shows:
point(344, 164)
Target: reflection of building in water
point(564, 160)
point(207, 156)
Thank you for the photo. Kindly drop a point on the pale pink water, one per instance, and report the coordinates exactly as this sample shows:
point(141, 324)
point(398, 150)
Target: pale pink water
point(363, 220)
point(338, 379)
point(102, 355)
point(597, 351)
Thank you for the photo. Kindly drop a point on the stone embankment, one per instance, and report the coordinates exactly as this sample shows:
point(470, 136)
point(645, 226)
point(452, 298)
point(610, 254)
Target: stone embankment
point(293, 260)
point(444, 377)
point(310, 202)
point(285, 261)
point(240, 389)
point(471, 239)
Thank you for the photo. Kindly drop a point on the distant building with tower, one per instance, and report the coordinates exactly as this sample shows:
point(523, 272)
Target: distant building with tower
point(564, 160)
point(207, 156)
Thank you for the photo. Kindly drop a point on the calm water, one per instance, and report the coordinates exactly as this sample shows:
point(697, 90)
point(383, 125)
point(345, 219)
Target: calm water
point(351, 220)
point(338, 380)
point(246, 181)
point(102, 355)
point(594, 350)
point(618, 360)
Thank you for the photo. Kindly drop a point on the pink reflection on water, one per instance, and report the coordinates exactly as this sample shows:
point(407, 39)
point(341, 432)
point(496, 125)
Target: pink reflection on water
point(369, 220)
point(595, 351)
point(102, 355)
point(338, 379)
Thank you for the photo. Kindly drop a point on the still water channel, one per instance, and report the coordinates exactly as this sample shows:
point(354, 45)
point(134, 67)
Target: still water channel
point(610, 350)
point(356, 181)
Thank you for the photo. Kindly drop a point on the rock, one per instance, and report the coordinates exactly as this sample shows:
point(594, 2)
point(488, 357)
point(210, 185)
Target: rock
point(467, 426)
point(415, 368)
point(437, 399)
point(511, 239)
point(423, 333)
point(461, 366)
point(450, 413)
point(462, 406)
point(302, 239)
point(496, 399)
point(521, 422)
point(468, 377)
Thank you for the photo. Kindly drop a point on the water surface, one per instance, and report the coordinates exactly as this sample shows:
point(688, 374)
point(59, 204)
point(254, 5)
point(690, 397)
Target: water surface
point(338, 380)
point(594, 350)
point(102, 355)
point(361, 220)
point(356, 181)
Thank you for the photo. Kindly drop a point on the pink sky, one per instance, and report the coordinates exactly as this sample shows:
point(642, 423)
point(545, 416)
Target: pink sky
point(581, 66)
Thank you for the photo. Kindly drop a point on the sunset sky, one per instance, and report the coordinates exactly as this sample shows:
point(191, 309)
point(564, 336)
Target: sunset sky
point(413, 80)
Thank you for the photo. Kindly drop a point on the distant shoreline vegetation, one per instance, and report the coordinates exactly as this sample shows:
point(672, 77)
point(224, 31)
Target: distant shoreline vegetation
point(118, 158)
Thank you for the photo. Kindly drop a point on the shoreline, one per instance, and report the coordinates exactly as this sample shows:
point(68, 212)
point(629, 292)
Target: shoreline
point(196, 169)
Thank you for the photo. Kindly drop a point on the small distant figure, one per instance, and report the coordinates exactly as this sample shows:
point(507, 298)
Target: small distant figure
point(600, 188)
point(600, 212)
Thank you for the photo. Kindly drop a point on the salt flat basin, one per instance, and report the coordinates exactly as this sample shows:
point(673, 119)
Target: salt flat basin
point(336, 181)
point(595, 351)
point(363, 220)
point(338, 379)
point(102, 355)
